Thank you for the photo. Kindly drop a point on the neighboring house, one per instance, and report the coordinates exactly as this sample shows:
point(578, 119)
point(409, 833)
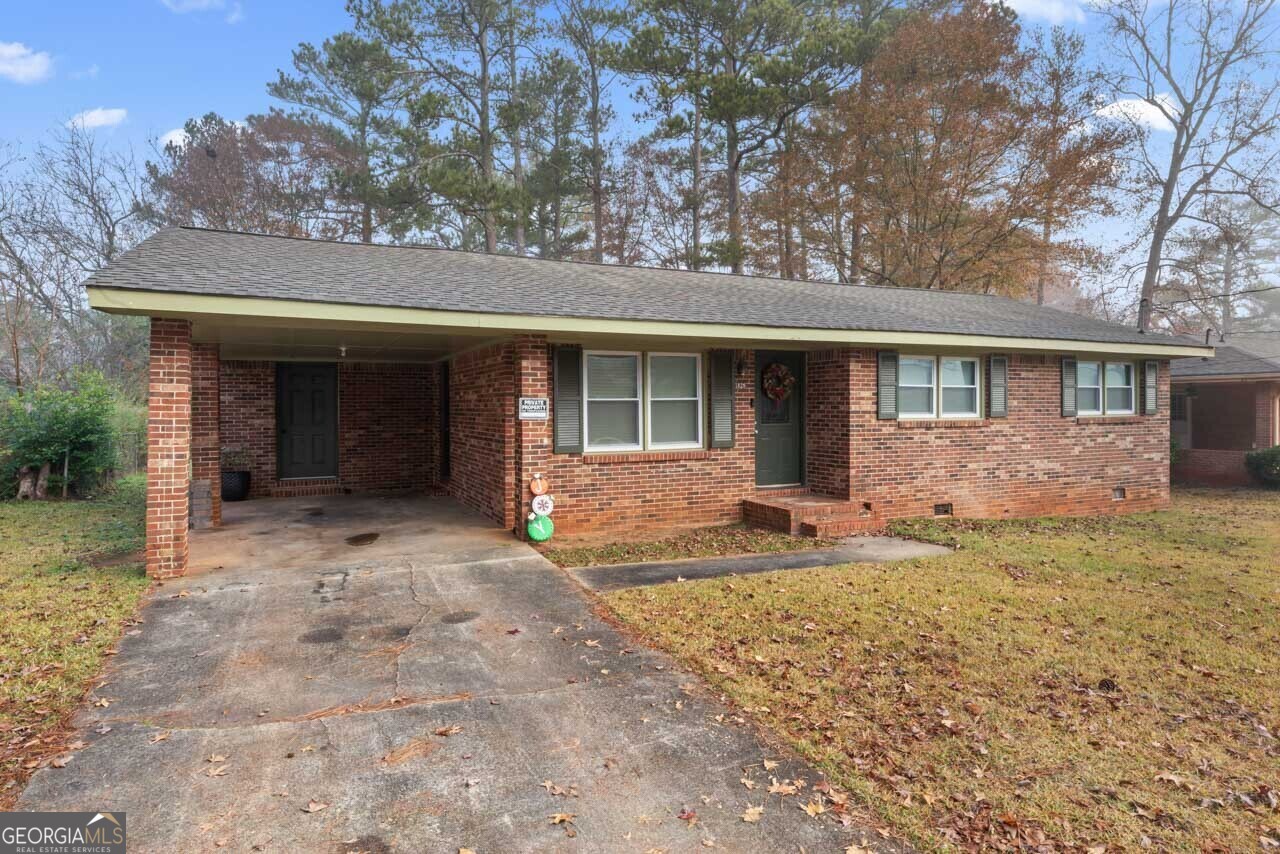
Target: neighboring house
point(646, 397)
point(1222, 409)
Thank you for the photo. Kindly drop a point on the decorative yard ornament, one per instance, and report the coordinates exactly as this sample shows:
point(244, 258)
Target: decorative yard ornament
point(538, 485)
point(543, 505)
point(540, 528)
point(778, 381)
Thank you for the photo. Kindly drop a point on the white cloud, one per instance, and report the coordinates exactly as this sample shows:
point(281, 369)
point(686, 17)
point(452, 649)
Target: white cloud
point(90, 72)
point(21, 64)
point(98, 117)
point(236, 15)
point(177, 136)
point(1053, 11)
point(1140, 112)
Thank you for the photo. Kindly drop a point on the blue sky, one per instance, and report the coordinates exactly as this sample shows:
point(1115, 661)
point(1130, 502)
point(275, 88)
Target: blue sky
point(160, 61)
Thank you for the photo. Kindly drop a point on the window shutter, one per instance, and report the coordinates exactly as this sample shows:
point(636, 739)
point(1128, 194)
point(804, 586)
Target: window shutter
point(887, 385)
point(1068, 386)
point(998, 388)
point(566, 394)
point(720, 399)
point(1150, 388)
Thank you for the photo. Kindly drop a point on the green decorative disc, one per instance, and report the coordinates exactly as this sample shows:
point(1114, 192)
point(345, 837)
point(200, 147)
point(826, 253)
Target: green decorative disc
point(541, 528)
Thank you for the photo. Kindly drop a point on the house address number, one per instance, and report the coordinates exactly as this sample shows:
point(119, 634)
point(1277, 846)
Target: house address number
point(534, 409)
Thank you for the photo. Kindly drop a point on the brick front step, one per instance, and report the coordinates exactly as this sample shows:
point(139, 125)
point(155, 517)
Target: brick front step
point(839, 527)
point(809, 515)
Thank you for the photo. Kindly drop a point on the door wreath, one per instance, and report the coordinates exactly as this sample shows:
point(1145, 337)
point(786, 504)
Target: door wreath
point(778, 381)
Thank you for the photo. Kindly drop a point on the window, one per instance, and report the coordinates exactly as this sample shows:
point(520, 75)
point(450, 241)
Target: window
point(1089, 388)
point(947, 386)
point(959, 388)
point(675, 400)
point(613, 401)
point(915, 386)
point(1120, 388)
point(1104, 388)
point(630, 409)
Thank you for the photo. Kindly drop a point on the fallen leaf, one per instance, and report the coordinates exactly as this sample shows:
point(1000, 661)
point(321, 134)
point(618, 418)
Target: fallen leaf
point(750, 784)
point(769, 765)
point(217, 771)
point(594, 644)
point(314, 806)
point(60, 761)
point(447, 731)
point(752, 815)
point(814, 809)
point(215, 758)
point(691, 816)
point(159, 737)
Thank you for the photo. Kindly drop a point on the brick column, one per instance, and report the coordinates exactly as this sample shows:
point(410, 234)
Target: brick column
point(168, 447)
point(1264, 405)
point(533, 438)
point(206, 447)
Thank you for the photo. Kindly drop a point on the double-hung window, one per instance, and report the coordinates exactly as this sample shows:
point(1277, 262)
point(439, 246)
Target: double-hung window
point(939, 387)
point(1104, 388)
point(636, 401)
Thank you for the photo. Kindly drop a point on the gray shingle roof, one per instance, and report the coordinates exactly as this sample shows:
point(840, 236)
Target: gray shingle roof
point(220, 263)
point(1227, 361)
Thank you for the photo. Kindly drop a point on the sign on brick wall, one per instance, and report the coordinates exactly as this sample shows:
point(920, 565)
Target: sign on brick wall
point(534, 409)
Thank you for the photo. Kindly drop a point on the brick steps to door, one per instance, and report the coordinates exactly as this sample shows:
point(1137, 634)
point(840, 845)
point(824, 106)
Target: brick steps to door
point(809, 515)
point(828, 528)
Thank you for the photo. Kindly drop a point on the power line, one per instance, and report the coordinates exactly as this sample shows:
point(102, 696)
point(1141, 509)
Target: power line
point(1217, 296)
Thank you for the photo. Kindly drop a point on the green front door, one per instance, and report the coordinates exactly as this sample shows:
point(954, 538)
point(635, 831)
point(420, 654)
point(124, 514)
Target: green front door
point(779, 419)
point(307, 417)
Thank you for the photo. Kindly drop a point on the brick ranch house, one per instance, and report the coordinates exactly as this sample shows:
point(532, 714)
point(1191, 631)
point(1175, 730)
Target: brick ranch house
point(1220, 410)
point(646, 397)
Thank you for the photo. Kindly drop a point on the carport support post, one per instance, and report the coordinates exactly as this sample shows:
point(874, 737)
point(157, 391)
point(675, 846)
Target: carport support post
point(168, 447)
point(533, 438)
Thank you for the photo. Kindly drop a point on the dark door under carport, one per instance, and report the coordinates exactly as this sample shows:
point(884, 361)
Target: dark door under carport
point(307, 419)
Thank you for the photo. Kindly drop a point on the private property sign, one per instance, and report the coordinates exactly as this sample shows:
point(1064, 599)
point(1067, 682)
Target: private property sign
point(534, 409)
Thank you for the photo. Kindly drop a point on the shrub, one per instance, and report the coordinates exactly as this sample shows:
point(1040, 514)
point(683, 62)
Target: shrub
point(56, 426)
point(236, 459)
point(1264, 465)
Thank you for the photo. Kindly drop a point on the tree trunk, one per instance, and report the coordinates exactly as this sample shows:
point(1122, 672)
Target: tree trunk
point(26, 483)
point(597, 172)
point(1228, 288)
point(517, 160)
point(1042, 279)
point(735, 193)
point(695, 261)
point(42, 483)
point(486, 153)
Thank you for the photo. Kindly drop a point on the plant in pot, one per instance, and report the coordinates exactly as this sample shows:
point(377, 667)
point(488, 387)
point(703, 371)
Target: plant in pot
point(235, 474)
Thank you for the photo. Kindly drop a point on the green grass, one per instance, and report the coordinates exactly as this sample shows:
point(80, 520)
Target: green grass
point(63, 606)
point(714, 541)
point(962, 698)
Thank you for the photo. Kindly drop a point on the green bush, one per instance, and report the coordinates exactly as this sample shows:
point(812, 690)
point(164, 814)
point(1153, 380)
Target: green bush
point(1264, 465)
point(55, 425)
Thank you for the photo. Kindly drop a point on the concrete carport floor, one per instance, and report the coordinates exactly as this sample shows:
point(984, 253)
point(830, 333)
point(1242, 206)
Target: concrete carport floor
point(411, 694)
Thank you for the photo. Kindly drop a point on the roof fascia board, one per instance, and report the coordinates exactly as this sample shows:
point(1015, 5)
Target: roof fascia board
point(260, 310)
point(1226, 378)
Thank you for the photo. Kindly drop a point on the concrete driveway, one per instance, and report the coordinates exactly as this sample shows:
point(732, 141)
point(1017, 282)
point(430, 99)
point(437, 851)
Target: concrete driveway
point(442, 687)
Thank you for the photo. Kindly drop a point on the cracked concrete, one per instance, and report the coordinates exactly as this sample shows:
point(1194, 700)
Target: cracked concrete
point(304, 667)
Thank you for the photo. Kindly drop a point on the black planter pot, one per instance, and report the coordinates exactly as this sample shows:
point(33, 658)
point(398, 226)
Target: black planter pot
point(235, 485)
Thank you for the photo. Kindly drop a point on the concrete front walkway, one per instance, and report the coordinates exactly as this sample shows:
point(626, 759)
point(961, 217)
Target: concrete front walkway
point(441, 687)
point(853, 550)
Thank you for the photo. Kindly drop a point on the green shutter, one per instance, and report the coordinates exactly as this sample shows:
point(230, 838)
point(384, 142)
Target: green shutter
point(1150, 388)
point(887, 385)
point(1068, 386)
point(998, 388)
point(720, 399)
point(566, 375)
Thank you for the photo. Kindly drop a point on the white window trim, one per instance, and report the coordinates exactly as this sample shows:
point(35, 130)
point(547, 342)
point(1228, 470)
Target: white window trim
point(977, 388)
point(1132, 386)
point(649, 399)
point(933, 398)
point(586, 403)
point(1101, 387)
point(1106, 410)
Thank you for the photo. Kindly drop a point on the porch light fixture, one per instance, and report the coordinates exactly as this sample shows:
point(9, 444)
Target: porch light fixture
point(342, 351)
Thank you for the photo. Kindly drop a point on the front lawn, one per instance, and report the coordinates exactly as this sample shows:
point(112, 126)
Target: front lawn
point(1106, 684)
point(63, 599)
point(714, 541)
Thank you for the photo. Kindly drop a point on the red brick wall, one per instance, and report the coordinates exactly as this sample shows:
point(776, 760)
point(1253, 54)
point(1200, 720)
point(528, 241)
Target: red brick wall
point(827, 423)
point(620, 492)
point(388, 434)
point(206, 491)
point(248, 418)
point(1210, 467)
point(1034, 462)
point(482, 446)
point(168, 447)
point(388, 431)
